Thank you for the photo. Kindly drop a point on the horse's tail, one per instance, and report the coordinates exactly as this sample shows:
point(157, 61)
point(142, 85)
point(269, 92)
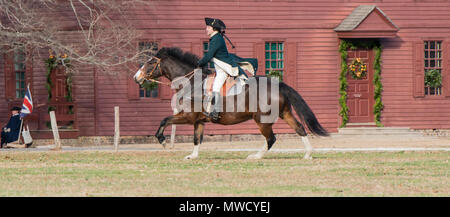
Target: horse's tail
point(303, 110)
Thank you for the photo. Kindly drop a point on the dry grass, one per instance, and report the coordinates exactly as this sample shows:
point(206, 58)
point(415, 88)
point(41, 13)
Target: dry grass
point(223, 174)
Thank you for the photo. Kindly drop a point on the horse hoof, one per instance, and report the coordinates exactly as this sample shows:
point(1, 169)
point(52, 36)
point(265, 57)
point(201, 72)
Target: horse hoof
point(161, 139)
point(308, 157)
point(254, 157)
point(164, 144)
point(190, 157)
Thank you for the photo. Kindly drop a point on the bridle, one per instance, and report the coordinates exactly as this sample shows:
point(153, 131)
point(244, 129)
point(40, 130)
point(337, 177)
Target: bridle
point(158, 65)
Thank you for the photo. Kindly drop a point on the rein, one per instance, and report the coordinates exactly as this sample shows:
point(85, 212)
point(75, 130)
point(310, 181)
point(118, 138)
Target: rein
point(158, 64)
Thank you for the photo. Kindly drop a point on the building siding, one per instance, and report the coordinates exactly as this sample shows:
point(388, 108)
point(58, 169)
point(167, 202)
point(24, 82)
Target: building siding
point(3, 105)
point(308, 24)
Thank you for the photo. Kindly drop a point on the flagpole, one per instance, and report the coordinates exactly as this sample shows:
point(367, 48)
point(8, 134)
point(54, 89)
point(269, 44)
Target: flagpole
point(21, 120)
point(31, 97)
point(20, 131)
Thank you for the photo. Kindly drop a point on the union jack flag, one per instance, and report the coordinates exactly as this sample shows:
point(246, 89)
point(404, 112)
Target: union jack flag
point(27, 106)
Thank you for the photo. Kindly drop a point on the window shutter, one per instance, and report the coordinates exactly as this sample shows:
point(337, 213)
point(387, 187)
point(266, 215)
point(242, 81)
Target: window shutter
point(10, 88)
point(9, 76)
point(29, 71)
point(165, 90)
point(446, 71)
point(418, 73)
point(197, 48)
point(290, 76)
point(260, 55)
point(133, 88)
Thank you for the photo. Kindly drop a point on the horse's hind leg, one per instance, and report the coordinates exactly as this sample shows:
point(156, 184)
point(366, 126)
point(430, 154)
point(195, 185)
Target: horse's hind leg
point(300, 130)
point(266, 131)
point(198, 138)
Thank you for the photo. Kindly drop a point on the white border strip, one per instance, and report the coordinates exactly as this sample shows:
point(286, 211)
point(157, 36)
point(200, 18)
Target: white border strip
point(275, 150)
point(345, 149)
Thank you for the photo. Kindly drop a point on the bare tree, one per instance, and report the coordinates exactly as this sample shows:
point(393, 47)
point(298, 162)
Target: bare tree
point(94, 32)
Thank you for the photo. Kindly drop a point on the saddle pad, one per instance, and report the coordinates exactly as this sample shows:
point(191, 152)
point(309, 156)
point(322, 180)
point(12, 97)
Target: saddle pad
point(228, 88)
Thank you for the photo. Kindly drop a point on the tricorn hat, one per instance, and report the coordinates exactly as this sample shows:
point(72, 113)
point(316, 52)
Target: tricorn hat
point(15, 108)
point(215, 23)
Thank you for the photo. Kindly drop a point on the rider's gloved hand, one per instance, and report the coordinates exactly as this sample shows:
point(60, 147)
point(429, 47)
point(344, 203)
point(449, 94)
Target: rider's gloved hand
point(206, 70)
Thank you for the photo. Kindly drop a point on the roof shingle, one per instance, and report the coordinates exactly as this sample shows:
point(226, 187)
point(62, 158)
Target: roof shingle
point(357, 16)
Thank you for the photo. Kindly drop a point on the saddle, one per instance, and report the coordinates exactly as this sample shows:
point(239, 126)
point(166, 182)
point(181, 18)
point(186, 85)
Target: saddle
point(231, 87)
point(229, 83)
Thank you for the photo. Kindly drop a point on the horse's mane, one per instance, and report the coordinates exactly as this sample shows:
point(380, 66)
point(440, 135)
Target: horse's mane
point(175, 52)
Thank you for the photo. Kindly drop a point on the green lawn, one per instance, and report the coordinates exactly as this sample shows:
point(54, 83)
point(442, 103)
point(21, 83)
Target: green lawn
point(223, 174)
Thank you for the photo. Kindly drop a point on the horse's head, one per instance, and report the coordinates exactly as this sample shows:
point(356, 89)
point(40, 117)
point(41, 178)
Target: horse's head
point(170, 62)
point(149, 71)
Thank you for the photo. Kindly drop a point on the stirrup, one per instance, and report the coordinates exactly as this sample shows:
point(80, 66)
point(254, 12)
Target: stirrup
point(214, 116)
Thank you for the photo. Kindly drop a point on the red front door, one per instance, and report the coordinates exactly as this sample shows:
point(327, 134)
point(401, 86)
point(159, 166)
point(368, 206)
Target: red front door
point(59, 87)
point(360, 100)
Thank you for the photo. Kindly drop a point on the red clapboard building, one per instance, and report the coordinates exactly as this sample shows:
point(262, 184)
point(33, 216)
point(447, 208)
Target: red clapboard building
point(300, 38)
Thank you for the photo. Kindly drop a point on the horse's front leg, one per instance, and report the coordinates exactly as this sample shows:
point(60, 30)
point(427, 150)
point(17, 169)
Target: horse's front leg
point(173, 119)
point(198, 138)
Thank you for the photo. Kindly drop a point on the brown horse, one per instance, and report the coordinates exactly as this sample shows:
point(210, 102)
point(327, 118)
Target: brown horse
point(174, 63)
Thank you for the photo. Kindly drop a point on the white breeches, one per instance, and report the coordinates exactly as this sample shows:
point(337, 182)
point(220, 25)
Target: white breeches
point(223, 69)
point(221, 77)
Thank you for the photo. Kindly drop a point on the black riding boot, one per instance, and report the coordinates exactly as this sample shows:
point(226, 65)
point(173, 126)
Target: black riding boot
point(214, 114)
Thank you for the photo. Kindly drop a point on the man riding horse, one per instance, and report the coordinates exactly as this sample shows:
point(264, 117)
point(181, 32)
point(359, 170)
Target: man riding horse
point(225, 63)
point(173, 63)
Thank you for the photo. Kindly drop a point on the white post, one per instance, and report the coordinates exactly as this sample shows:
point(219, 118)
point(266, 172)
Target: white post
point(116, 128)
point(172, 136)
point(174, 129)
point(55, 131)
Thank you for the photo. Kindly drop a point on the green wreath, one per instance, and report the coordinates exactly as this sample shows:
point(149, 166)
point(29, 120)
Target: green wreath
point(358, 69)
point(51, 63)
point(433, 78)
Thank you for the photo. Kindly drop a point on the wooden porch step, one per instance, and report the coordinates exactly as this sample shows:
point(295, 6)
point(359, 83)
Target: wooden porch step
point(378, 131)
point(371, 124)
